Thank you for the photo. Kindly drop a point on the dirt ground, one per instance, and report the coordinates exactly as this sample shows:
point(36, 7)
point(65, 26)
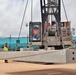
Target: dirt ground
point(23, 68)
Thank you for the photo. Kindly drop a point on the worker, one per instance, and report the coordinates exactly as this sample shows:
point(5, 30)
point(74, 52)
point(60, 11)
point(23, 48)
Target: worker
point(35, 33)
point(6, 48)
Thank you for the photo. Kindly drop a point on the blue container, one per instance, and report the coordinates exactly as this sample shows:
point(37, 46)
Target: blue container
point(12, 42)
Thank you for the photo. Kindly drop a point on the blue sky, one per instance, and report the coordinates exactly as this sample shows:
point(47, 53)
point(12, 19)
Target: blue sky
point(11, 12)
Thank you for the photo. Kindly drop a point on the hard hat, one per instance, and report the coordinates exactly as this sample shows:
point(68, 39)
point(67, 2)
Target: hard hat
point(36, 26)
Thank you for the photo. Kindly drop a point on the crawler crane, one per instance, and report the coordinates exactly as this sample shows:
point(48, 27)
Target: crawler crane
point(50, 35)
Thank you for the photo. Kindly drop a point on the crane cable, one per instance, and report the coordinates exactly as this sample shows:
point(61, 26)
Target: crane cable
point(31, 10)
point(65, 10)
point(23, 19)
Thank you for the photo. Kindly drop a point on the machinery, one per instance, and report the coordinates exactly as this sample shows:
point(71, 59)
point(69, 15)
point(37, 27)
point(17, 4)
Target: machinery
point(48, 33)
point(52, 32)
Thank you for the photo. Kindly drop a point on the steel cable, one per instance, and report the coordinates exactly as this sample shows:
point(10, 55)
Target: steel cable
point(65, 10)
point(23, 18)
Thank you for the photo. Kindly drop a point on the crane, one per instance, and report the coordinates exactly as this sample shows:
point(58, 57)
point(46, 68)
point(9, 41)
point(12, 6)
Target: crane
point(52, 32)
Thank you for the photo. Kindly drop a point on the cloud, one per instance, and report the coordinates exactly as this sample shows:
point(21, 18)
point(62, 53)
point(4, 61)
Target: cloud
point(11, 13)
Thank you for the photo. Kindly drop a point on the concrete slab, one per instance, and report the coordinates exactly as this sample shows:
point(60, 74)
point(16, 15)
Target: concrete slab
point(45, 56)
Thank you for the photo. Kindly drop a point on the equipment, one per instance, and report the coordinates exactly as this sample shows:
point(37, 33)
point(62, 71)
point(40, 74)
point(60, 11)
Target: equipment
point(49, 35)
point(54, 32)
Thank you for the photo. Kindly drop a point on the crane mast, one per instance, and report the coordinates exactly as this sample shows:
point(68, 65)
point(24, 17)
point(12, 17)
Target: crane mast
point(50, 9)
point(54, 6)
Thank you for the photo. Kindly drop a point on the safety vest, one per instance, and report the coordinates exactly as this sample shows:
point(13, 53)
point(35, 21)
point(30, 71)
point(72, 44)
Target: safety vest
point(5, 49)
point(35, 32)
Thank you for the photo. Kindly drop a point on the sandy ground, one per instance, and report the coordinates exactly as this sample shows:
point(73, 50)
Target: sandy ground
point(23, 68)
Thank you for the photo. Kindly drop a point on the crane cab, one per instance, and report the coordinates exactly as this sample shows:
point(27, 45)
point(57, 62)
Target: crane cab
point(35, 33)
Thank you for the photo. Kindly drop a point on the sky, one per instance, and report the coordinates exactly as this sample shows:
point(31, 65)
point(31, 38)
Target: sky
point(11, 13)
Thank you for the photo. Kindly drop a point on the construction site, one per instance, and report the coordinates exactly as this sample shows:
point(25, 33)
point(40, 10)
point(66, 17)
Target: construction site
point(50, 48)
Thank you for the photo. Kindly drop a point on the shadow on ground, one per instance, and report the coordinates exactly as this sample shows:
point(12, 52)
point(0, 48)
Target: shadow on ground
point(46, 72)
